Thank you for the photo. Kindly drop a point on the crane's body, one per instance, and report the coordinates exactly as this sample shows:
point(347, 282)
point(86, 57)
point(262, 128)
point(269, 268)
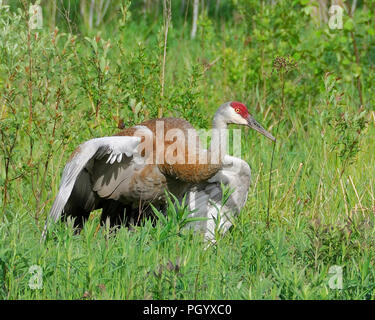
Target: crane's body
point(117, 175)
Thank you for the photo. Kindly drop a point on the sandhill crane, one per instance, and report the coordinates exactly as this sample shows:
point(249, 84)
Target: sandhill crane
point(119, 173)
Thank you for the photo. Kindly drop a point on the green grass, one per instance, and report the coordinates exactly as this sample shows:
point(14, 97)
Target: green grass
point(309, 232)
point(322, 195)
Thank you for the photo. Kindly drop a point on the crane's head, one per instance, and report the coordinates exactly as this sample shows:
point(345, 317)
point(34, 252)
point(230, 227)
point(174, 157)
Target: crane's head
point(237, 113)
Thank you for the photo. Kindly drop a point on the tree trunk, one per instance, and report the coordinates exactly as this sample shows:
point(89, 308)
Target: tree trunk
point(53, 15)
point(323, 7)
point(167, 12)
point(217, 7)
point(195, 18)
point(99, 13)
point(91, 17)
point(354, 5)
point(82, 7)
point(182, 8)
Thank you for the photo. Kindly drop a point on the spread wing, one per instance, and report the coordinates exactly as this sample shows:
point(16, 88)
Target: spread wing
point(206, 198)
point(115, 148)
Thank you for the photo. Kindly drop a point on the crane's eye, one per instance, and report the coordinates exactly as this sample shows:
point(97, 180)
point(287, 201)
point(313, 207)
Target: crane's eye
point(237, 110)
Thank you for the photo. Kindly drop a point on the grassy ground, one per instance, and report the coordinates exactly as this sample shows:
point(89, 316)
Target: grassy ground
point(57, 93)
point(288, 260)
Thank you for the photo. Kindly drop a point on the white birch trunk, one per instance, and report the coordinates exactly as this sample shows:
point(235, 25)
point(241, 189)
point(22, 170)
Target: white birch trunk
point(195, 18)
point(91, 17)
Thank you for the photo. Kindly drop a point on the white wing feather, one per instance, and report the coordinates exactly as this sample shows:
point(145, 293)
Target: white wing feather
point(206, 198)
point(113, 147)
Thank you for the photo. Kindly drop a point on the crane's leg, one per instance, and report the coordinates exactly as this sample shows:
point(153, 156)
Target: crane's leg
point(148, 213)
point(78, 214)
point(114, 212)
point(128, 215)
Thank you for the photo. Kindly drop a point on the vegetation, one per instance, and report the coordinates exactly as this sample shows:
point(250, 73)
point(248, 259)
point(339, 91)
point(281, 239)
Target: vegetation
point(92, 70)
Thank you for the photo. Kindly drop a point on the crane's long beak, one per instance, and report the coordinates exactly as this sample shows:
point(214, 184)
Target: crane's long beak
point(252, 123)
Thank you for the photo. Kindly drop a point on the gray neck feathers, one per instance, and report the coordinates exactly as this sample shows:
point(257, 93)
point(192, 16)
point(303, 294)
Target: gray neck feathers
point(218, 147)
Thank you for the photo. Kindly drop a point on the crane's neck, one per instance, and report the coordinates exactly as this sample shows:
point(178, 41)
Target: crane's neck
point(219, 121)
point(219, 137)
